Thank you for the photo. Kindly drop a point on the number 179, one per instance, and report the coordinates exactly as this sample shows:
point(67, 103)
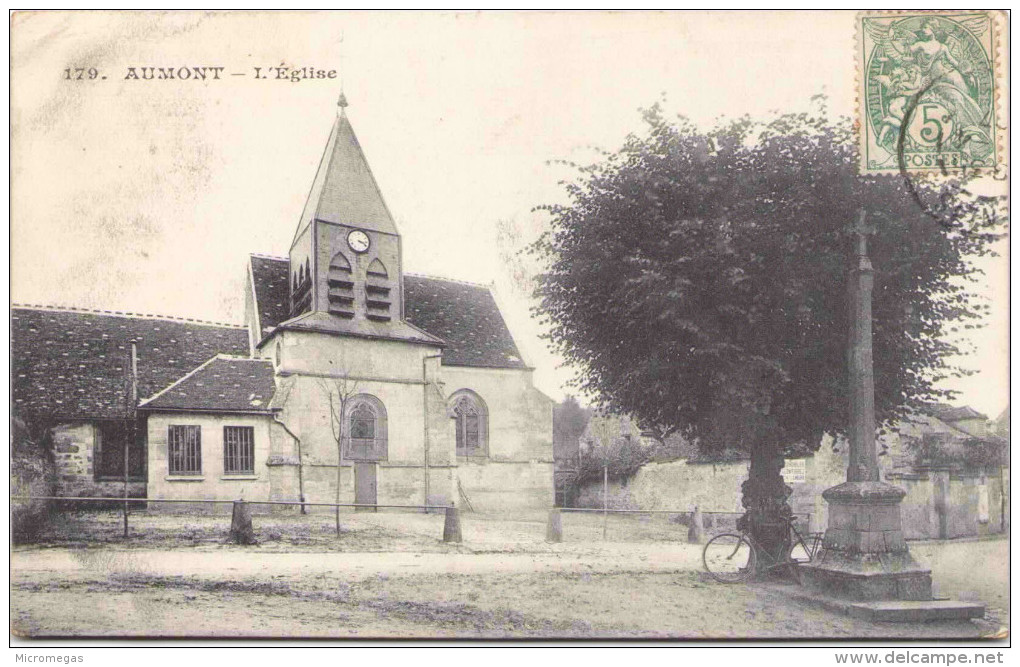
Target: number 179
point(80, 73)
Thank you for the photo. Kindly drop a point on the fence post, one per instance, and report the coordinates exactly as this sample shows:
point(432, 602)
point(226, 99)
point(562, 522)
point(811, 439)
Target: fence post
point(451, 526)
point(241, 531)
point(605, 501)
point(554, 530)
point(696, 531)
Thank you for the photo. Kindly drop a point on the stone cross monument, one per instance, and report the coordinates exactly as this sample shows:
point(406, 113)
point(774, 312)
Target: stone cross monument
point(864, 555)
point(863, 465)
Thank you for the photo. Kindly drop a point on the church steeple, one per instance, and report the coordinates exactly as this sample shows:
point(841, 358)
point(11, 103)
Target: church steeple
point(344, 190)
point(345, 257)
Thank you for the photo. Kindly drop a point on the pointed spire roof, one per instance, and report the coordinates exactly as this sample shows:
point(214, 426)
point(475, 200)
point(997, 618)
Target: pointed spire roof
point(344, 190)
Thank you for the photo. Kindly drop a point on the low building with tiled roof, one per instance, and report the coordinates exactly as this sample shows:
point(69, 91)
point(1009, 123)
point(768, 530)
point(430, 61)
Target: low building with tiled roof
point(74, 364)
point(410, 389)
point(222, 384)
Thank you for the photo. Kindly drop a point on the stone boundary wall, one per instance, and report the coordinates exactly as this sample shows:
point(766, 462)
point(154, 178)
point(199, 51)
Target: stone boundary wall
point(938, 505)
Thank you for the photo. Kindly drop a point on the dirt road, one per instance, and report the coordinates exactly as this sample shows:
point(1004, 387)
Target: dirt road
point(568, 590)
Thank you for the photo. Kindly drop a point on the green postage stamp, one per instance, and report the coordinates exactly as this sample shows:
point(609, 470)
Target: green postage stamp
point(928, 91)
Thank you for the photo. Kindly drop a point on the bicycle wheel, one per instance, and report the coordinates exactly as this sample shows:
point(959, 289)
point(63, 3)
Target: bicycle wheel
point(799, 553)
point(729, 558)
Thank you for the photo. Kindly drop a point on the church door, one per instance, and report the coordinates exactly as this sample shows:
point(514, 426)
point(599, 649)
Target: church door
point(364, 486)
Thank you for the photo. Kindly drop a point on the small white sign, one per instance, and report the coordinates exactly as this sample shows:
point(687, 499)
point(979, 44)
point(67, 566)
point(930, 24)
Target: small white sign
point(795, 471)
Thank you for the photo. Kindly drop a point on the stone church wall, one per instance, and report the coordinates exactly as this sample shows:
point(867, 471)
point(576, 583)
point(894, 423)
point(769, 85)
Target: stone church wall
point(518, 472)
point(392, 372)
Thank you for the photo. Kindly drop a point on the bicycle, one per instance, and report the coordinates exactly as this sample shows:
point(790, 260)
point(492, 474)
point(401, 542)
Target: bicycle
point(730, 558)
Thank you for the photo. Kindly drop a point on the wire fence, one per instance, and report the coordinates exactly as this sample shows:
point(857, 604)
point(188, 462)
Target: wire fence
point(98, 527)
point(578, 524)
point(122, 499)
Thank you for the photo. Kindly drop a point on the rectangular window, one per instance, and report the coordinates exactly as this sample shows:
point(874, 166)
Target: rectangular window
point(239, 450)
point(185, 450)
point(109, 456)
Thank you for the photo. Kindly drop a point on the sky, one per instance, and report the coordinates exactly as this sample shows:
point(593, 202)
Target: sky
point(148, 196)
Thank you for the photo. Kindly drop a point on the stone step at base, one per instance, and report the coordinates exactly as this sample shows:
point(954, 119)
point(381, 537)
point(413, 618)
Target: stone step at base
point(895, 611)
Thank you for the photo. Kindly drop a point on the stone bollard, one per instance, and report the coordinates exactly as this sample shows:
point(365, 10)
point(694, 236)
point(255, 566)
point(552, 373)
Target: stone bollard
point(696, 531)
point(451, 527)
point(554, 531)
point(241, 531)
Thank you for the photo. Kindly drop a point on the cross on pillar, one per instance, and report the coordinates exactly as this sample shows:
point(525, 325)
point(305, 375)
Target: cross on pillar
point(864, 555)
point(863, 453)
point(863, 230)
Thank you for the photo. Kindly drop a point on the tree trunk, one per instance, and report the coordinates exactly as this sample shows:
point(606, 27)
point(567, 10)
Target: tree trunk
point(766, 515)
point(339, 461)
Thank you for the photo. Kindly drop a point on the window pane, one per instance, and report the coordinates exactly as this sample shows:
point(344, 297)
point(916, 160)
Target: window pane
point(362, 423)
point(185, 450)
point(238, 449)
point(470, 426)
point(110, 440)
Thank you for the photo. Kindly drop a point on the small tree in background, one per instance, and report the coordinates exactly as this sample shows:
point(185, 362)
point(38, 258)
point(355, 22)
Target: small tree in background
point(569, 422)
point(33, 473)
point(339, 390)
point(611, 452)
point(697, 280)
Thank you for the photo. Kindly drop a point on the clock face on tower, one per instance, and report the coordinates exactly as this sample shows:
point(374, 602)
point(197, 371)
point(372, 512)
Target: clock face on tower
point(358, 241)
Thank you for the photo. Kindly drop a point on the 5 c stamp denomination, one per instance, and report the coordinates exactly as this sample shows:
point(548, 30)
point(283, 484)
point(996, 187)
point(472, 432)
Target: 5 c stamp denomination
point(928, 91)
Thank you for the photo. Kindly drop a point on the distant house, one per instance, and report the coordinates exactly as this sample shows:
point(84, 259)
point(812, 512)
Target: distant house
point(1001, 424)
point(944, 437)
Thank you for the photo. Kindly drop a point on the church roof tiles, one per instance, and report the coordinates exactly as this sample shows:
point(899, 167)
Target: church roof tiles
point(272, 291)
point(466, 317)
point(76, 364)
point(221, 384)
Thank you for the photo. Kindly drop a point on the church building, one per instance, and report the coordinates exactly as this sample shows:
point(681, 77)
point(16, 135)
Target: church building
point(405, 389)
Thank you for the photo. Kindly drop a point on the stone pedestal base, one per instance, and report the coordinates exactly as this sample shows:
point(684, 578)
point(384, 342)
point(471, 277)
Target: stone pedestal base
point(864, 555)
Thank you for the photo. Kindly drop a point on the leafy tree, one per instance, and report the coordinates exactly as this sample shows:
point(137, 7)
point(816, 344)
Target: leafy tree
point(958, 454)
point(619, 457)
point(697, 279)
point(33, 473)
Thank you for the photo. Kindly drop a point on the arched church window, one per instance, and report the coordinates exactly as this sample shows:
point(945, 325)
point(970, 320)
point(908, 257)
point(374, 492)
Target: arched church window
point(472, 423)
point(367, 428)
point(340, 264)
point(341, 287)
point(377, 292)
point(377, 269)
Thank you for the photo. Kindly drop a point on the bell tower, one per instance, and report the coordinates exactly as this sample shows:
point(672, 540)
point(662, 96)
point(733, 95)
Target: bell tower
point(345, 259)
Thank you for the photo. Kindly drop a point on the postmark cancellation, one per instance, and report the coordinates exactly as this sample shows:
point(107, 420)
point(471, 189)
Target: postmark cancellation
point(928, 92)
